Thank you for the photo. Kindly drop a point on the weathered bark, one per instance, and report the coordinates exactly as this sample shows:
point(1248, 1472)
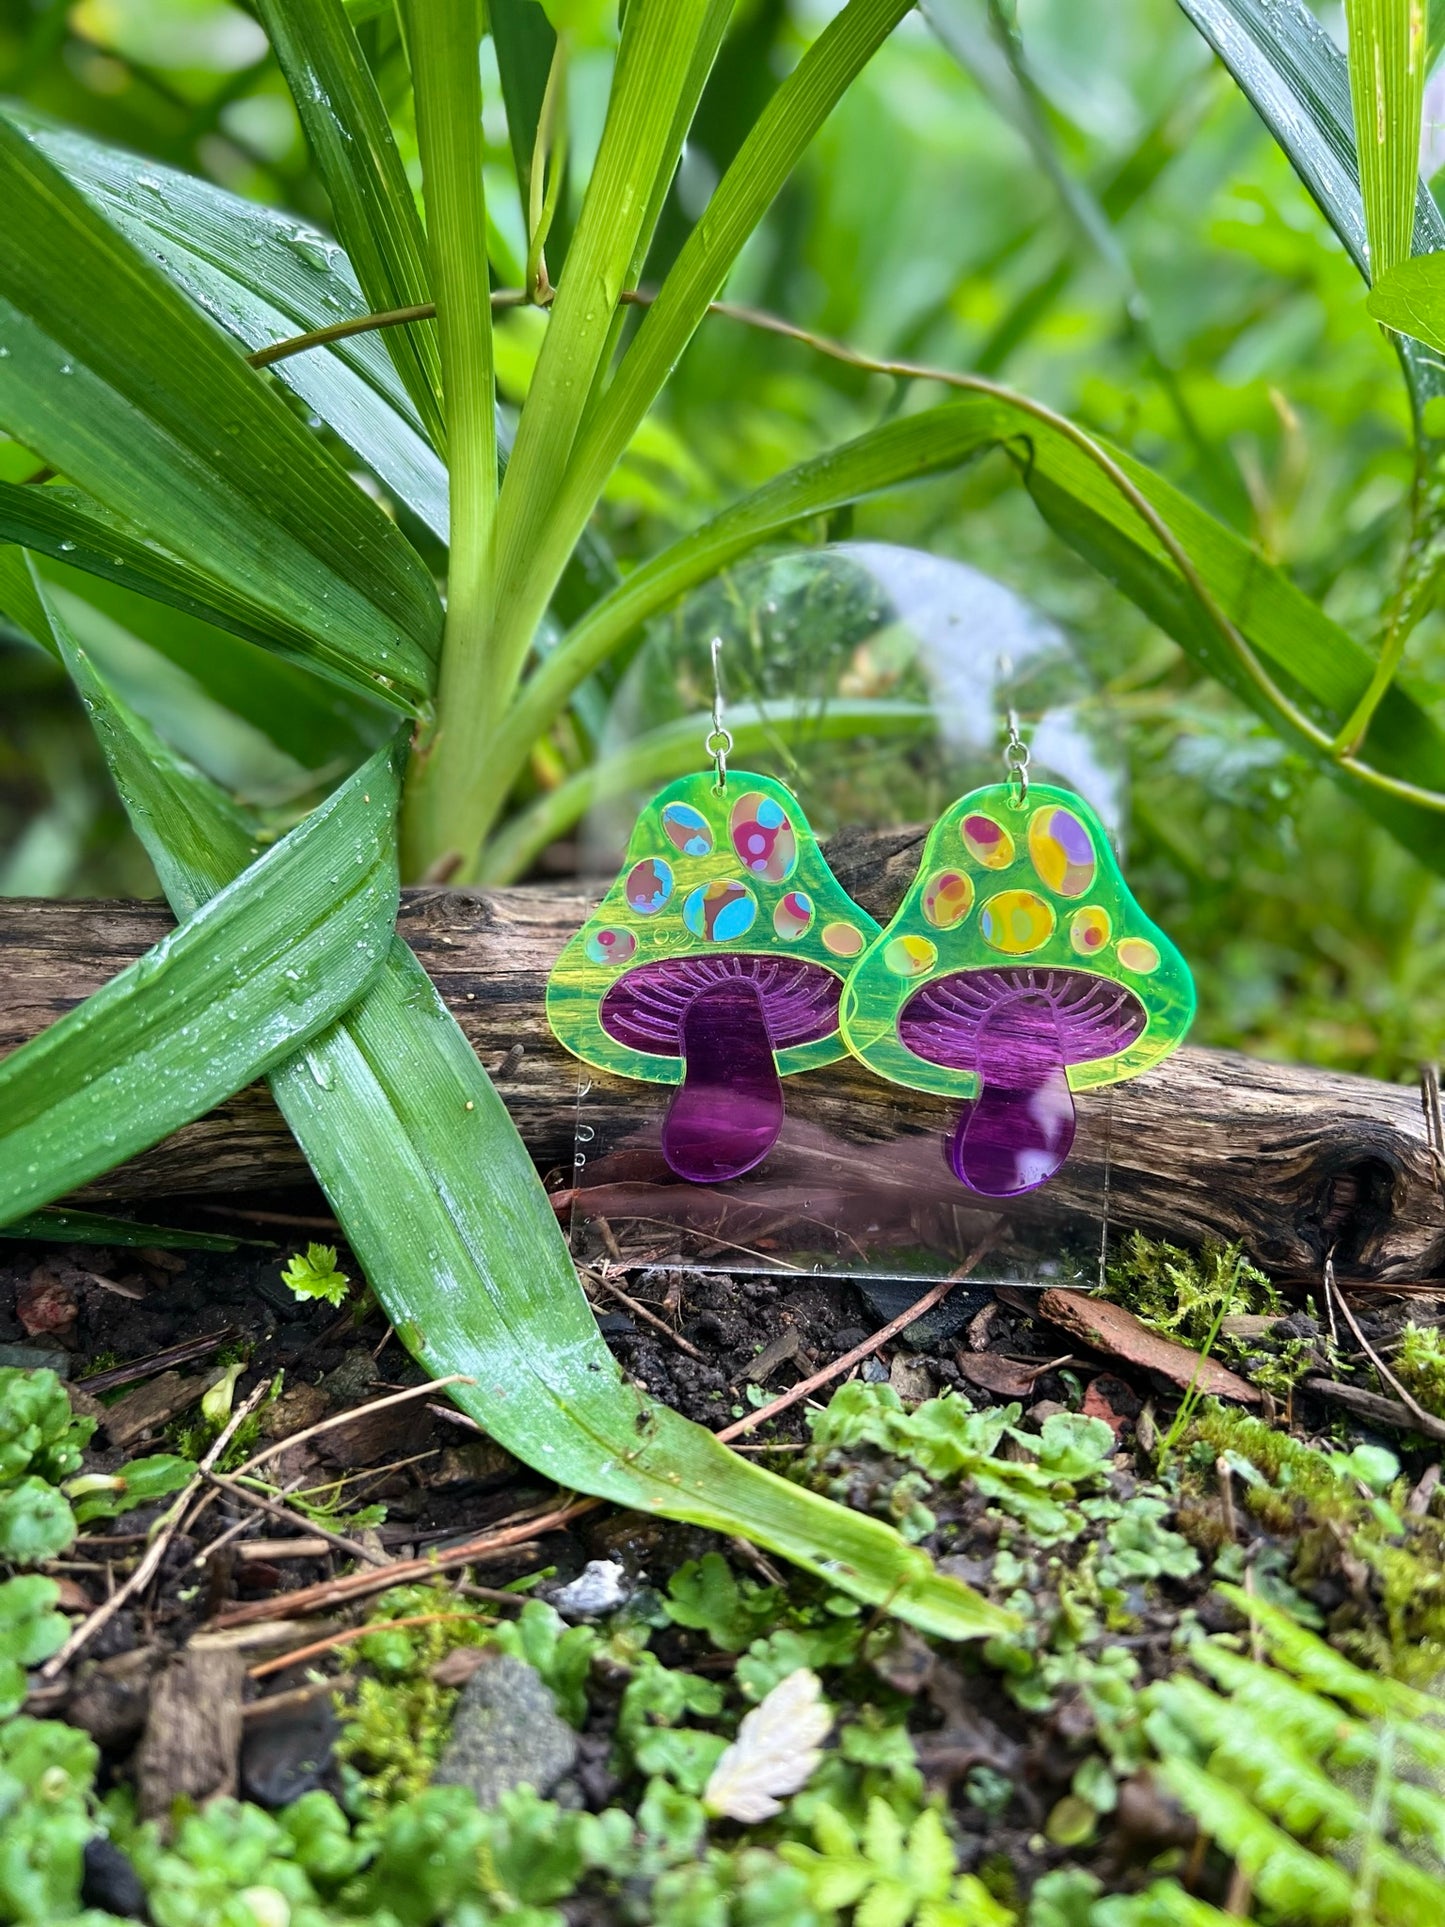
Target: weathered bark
point(1296, 1162)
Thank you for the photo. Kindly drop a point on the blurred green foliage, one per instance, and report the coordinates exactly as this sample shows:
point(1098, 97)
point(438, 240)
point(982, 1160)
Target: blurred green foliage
point(1207, 320)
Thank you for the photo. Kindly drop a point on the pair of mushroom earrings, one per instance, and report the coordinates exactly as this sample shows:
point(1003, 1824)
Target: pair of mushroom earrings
point(726, 956)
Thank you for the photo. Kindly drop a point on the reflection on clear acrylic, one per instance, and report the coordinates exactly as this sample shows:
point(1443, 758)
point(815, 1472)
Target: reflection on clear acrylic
point(872, 681)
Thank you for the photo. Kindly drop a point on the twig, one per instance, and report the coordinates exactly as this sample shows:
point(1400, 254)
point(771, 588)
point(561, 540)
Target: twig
point(164, 1533)
point(292, 1701)
point(347, 1418)
point(356, 1585)
point(350, 1547)
point(186, 1353)
point(640, 1310)
point(1226, 1492)
point(1434, 1117)
point(287, 1218)
point(232, 1531)
point(1431, 1426)
point(807, 1386)
point(319, 1646)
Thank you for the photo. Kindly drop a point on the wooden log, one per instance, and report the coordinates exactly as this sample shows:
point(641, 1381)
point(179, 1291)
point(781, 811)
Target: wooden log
point(1295, 1162)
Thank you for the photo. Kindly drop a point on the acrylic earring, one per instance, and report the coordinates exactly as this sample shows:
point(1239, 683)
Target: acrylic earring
point(1018, 970)
point(715, 962)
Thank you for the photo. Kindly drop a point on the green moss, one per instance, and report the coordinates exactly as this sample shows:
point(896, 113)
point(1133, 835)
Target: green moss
point(396, 1724)
point(1184, 1295)
point(1419, 1364)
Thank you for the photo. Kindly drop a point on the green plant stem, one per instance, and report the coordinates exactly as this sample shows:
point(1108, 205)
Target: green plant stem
point(544, 695)
point(549, 166)
point(444, 37)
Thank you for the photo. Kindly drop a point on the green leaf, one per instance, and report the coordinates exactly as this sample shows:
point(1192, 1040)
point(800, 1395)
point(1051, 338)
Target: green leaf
point(1410, 298)
point(112, 376)
point(657, 64)
point(777, 140)
point(94, 1228)
point(322, 728)
point(263, 277)
point(253, 973)
point(36, 1522)
point(313, 1274)
point(1387, 88)
point(30, 1631)
point(525, 42)
point(443, 37)
point(668, 751)
point(1297, 81)
point(141, 1482)
point(371, 199)
point(442, 1206)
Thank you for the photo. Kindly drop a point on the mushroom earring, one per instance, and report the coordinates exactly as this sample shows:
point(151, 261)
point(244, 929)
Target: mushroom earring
point(715, 962)
point(1018, 971)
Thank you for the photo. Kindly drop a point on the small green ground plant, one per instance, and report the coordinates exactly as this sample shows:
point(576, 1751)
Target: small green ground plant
point(1315, 1776)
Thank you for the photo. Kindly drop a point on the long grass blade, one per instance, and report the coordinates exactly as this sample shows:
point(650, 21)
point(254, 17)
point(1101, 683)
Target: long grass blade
point(1297, 81)
point(657, 64)
point(444, 38)
point(71, 1227)
point(1387, 90)
point(113, 377)
point(264, 276)
point(371, 199)
point(245, 980)
point(767, 157)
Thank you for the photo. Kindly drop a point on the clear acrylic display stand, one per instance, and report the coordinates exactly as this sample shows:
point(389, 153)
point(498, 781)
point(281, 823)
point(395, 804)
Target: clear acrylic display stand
point(816, 644)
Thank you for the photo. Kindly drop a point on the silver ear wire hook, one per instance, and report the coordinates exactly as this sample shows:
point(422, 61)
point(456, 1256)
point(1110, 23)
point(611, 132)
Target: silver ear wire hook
point(1016, 751)
point(718, 742)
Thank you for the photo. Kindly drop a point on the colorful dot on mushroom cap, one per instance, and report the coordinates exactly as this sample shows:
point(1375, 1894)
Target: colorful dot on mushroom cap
point(720, 911)
point(648, 886)
point(1138, 955)
point(1061, 851)
point(987, 842)
point(1090, 929)
point(793, 915)
point(947, 899)
point(611, 946)
point(1016, 922)
point(763, 837)
point(842, 939)
point(910, 956)
point(686, 829)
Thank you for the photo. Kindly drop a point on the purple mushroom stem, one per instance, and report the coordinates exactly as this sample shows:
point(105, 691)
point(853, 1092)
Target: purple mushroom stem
point(728, 1110)
point(1018, 1133)
point(1018, 1029)
point(726, 1017)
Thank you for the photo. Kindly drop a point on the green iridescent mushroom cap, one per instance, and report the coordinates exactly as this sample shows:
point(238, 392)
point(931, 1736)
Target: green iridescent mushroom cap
point(1018, 969)
point(716, 959)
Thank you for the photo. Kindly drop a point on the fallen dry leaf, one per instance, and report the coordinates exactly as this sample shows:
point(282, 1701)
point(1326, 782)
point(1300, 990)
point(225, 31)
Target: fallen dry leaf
point(45, 1304)
point(1110, 1328)
point(1008, 1377)
point(777, 1747)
